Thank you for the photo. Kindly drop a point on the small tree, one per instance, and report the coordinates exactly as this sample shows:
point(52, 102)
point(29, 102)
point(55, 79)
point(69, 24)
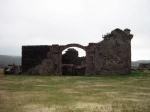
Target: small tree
point(70, 57)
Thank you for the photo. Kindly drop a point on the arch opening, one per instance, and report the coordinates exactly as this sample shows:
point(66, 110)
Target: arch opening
point(73, 61)
point(81, 52)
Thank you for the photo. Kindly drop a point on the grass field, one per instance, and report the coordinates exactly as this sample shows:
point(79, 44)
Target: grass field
point(26, 93)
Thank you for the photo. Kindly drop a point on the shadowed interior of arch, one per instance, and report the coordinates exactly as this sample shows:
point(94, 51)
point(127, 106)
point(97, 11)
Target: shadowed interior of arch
point(73, 61)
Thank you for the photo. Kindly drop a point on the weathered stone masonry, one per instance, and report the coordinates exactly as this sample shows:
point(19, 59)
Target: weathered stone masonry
point(110, 56)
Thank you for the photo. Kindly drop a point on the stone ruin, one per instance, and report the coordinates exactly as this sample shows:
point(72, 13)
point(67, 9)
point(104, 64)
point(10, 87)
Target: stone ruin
point(12, 69)
point(144, 66)
point(110, 56)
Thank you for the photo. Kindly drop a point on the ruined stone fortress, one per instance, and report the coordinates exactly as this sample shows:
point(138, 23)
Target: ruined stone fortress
point(110, 56)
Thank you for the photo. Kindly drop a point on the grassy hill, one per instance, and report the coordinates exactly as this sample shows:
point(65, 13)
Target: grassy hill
point(6, 59)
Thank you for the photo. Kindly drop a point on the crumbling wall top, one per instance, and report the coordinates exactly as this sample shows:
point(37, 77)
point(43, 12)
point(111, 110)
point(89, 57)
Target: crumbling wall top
point(118, 33)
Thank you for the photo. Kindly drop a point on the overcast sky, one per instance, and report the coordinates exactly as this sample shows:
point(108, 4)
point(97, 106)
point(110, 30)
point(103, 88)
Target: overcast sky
point(46, 22)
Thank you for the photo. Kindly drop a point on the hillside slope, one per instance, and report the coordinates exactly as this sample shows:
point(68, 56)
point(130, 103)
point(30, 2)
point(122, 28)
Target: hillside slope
point(6, 59)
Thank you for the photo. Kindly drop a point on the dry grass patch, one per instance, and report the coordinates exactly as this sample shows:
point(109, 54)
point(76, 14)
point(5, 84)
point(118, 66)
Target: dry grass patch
point(38, 108)
point(32, 108)
point(58, 78)
point(70, 91)
point(93, 107)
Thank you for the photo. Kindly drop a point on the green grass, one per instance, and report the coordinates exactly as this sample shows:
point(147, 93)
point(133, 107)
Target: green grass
point(27, 93)
point(1, 71)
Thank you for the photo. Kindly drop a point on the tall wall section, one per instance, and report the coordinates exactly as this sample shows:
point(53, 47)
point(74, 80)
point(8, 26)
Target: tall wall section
point(113, 54)
point(33, 56)
point(40, 59)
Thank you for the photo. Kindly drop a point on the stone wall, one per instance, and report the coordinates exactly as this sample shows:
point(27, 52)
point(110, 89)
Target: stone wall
point(113, 54)
point(33, 56)
point(110, 56)
point(144, 66)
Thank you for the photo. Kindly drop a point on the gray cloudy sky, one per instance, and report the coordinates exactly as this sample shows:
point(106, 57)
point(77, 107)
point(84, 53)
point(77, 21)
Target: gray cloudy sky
point(46, 22)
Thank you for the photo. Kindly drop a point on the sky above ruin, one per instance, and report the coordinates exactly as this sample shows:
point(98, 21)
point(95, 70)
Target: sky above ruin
point(46, 22)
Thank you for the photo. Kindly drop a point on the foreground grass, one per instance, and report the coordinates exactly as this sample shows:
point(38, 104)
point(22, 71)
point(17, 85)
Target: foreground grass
point(23, 93)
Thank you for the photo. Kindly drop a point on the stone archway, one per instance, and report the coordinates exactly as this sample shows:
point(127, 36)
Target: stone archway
point(63, 47)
